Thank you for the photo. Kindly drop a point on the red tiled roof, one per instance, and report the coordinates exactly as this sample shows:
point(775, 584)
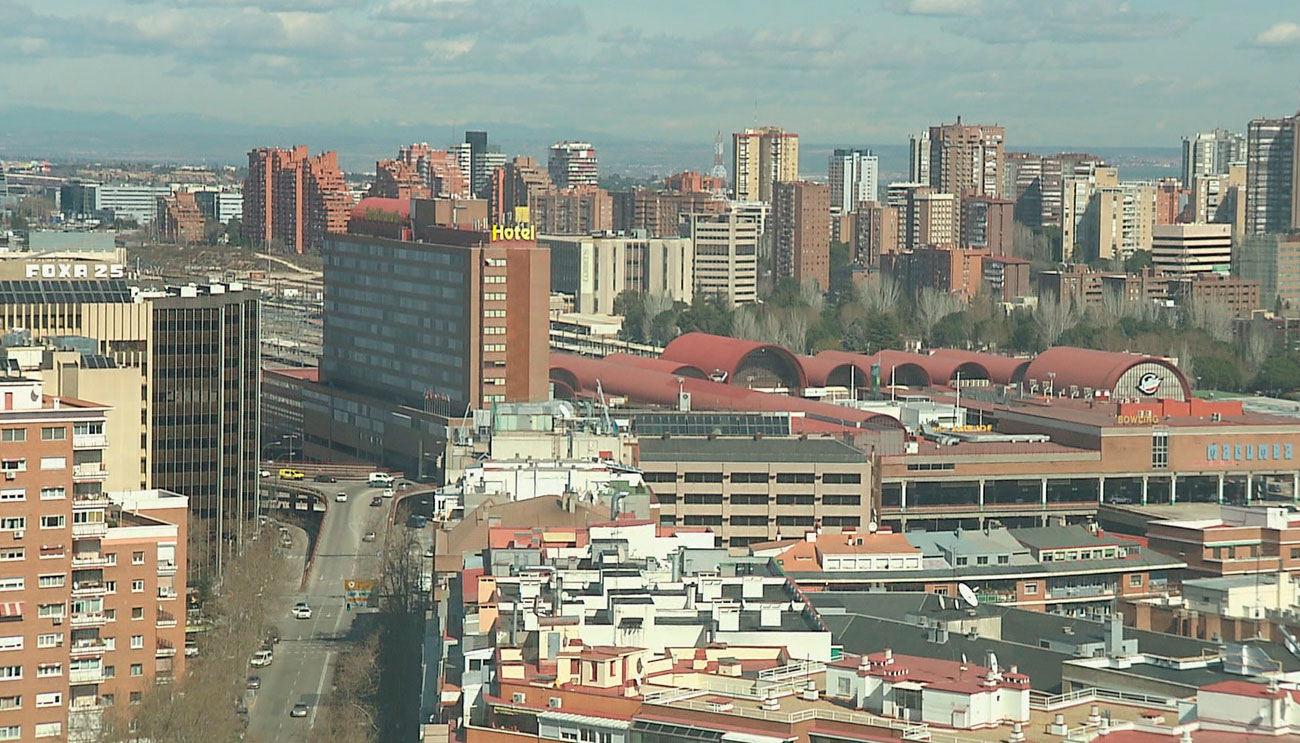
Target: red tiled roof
point(708, 352)
point(1082, 367)
point(664, 365)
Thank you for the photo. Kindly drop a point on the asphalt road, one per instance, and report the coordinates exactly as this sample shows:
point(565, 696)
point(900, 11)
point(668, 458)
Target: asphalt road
point(307, 650)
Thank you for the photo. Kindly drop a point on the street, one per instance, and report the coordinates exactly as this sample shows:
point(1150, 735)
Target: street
point(308, 648)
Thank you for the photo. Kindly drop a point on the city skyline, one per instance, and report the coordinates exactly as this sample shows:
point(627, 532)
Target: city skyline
point(852, 74)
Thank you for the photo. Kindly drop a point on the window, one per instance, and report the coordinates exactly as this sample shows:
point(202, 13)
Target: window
point(842, 500)
point(13, 642)
point(1160, 450)
point(962, 561)
point(54, 463)
point(110, 615)
point(137, 669)
point(49, 699)
point(1295, 553)
point(794, 500)
point(703, 521)
point(137, 558)
point(13, 434)
point(137, 612)
point(1031, 589)
point(136, 697)
point(51, 640)
point(137, 642)
point(110, 643)
point(703, 477)
point(1004, 559)
point(11, 702)
point(49, 729)
point(1135, 580)
point(108, 700)
point(795, 477)
point(13, 465)
point(13, 523)
point(13, 554)
point(12, 584)
point(54, 433)
point(54, 493)
point(11, 672)
point(10, 732)
point(12, 494)
point(703, 498)
point(56, 521)
point(659, 477)
point(137, 586)
point(749, 499)
point(981, 559)
point(49, 611)
point(749, 477)
point(53, 581)
point(111, 557)
point(110, 672)
point(794, 520)
point(47, 670)
point(518, 697)
point(842, 478)
point(749, 520)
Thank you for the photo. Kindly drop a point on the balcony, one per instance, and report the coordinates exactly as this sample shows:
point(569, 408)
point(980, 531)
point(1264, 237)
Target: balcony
point(88, 589)
point(94, 560)
point(164, 649)
point(89, 530)
point(86, 675)
point(85, 704)
point(166, 568)
point(165, 620)
point(89, 441)
point(89, 471)
point(166, 593)
point(87, 648)
point(1073, 592)
point(88, 619)
point(86, 501)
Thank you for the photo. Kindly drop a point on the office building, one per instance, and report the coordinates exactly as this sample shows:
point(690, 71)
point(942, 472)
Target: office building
point(1273, 175)
point(988, 224)
point(580, 210)
point(966, 160)
point(128, 202)
point(854, 178)
point(1210, 153)
point(1186, 249)
point(194, 351)
point(761, 157)
point(801, 232)
point(1078, 203)
point(75, 560)
point(179, 219)
point(572, 165)
point(595, 270)
point(1239, 296)
point(293, 199)
point(749, 490)
point(465, 324)
point(918, 157)
point(1273, 261)
point(929, 218)
point(476, 147)
point(726, 254)
point(219, 206)
point(875, 232)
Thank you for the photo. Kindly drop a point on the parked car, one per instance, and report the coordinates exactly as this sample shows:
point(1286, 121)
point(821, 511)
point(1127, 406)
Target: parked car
point(388, 492)
point(265, 473)
point(341, 497)
point(254, 682)
point(380, 480)
point(377, 501)
point(291, 474)
point(368, 537)
point(299, 710)
point(301, 610)
point(262, 659)
point(325, 478)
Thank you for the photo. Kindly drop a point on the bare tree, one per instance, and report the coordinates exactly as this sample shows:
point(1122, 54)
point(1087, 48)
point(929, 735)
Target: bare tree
point(812, 295)
point(933, 305)
point(879, 293)
point(351, 713)
point(1054, 315)
point(747, 324)
point(1258, 341)
point(791, 330)
point(1215, 318)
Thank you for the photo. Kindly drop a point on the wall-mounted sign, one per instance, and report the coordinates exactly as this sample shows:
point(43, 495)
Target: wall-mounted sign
point(1149, 383)
point(1141, 417)
point(74, 270)
point(1247, 452)
point(514, 232)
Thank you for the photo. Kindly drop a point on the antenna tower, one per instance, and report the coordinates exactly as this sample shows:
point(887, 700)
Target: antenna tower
point(719, 169)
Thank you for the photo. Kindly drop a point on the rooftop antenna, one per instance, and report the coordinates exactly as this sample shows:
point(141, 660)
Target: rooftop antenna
point(719, 169)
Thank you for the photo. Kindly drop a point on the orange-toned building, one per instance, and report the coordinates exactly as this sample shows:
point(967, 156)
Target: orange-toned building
point(1239, 542)
point(395, 179)
point(179, 219)
point(70, 556)
point(294, 198)
point(800, 227)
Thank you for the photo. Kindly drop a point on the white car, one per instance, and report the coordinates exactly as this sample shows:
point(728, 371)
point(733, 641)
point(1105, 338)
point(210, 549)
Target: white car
point(341, 497)
point(388, 492)
point(261, 659)
point(301, 611)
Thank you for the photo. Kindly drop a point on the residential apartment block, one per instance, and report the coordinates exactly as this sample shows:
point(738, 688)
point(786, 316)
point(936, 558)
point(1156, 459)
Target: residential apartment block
point(761, 157)
point(594, 270)
point(293, 198)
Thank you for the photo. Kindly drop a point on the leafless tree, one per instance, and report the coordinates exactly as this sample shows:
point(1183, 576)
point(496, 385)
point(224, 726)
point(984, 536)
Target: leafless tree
point(933, 305)
point(747, 324)
point(1054, 315)
point(812, 295)
point(1215, 318)
point(791, 329)
point(879, 293)
point(1258, 342)
point(351, 713)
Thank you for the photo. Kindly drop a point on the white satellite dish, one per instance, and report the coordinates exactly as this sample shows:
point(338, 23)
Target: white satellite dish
point(967, 595)
point(872, 527)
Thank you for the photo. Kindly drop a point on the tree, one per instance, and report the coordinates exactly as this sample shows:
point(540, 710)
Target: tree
point(1279, 374)
point(352, 713)
point(933, 305)
point(1054, 315)
point(951, 331)
point(1216, 372)
point(876, 331)
point(1215, 318)
point(1140, 260)
point(879, 293)
point(403, 600)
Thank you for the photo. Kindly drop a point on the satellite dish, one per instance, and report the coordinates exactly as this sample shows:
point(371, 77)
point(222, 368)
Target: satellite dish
point(967, 595)
point(872, 527)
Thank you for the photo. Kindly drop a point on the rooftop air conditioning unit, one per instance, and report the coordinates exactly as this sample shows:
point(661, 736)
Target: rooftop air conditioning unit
point(18, 534)
point(10, 474)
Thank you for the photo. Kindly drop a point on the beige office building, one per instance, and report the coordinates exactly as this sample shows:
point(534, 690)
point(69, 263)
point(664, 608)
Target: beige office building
point(1077, 191)
point(594, 270)
point(758, 489)
point(1188, 249)
point(761, 157)
point(726, 255)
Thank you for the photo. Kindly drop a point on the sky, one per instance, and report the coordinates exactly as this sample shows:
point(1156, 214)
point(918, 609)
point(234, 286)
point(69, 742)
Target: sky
point(1095, 72)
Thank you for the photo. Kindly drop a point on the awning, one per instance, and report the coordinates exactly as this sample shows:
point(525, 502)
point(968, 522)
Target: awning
point(11, 609)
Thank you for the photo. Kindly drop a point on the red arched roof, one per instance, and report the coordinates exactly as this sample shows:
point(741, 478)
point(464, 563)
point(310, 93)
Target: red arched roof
point(1083, 367)
point(891, 360)
point(709, 352)
point(998, 369)
point(819, 368)
point(660, 388)
point(663, 365)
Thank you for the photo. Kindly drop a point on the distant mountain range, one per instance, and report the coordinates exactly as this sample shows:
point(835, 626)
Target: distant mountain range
point(53, 134)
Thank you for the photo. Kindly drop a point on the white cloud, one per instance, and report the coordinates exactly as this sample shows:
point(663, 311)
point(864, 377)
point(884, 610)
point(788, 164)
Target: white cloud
point(937, 7)
point(1279, 34)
